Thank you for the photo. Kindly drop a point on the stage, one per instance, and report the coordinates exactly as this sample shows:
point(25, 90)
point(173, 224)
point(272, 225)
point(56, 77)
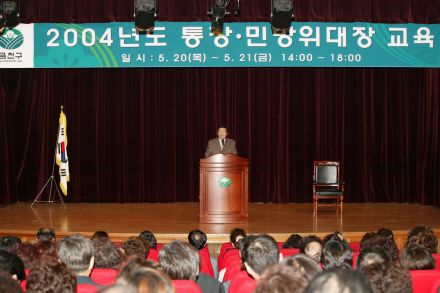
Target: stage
point(174, 221)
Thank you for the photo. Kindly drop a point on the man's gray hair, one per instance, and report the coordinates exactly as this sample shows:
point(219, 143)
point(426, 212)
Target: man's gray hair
point(76, 251)
point(180, 261)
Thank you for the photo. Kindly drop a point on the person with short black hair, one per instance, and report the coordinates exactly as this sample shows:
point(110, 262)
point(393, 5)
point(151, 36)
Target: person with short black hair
point(388, 277)
point(337, 281)
point(281, 278)
point(389, 236)
point(10, 243)
point(333, 236)
point(13, 265)
point(373, 239)
point(100, 235)
point(415, 257)
point(181, 261)
point(221, 144)
point(236, 235)
point(337, 254)
point(424, 236)
point(258, 253)
point(46, 234)
point(294, 241)
point(54, 278)
point(148, 238)
point(197, 239)
point(77, 253)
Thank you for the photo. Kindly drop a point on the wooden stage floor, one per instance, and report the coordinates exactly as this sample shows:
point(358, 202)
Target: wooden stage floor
point(174, 221)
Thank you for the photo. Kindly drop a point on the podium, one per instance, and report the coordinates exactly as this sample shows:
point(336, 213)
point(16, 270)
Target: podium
point(224, 189)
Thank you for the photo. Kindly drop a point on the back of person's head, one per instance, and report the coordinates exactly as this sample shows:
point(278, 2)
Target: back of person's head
point(337, 254)
point(28, 255)
point(117, 289)
point(389, 236)
point(304, 264)
point(150, 280)
point(46, 251)
point(54, 278)
point(338, 281)
point(415, 257)
point(8, 284)
point(423, 236)
point(107, 255)
point(148, 238)
point(197, 239)
point(236, 235)
point(388, 277)
point(371, 256)
point(10, 243)
point(333, 236)
point(100, 235)
point(77, 253)
point(258, 253)
point(134, 247)
point(180, 261)
point(12, 264)
point(294, 241)
point(131, 267)
point(46, 234)
point(374, 239)
point(312, 247)
point(281, 278)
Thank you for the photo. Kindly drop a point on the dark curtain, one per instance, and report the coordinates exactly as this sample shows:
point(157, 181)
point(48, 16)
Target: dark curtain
point(136, 135)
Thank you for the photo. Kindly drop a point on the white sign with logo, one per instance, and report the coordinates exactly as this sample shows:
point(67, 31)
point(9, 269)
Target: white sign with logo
point(17, 47)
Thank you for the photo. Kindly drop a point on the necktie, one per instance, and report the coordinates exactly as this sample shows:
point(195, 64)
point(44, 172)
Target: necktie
point(223, 144)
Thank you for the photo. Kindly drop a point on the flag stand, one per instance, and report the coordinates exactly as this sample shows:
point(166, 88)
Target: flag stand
point(52, 182)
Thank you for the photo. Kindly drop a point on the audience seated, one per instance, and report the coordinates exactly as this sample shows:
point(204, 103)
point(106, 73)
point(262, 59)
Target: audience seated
point(249, 263)
point(54, 278)
point(77, 253)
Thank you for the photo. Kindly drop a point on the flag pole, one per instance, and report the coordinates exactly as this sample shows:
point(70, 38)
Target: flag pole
point(51, 180)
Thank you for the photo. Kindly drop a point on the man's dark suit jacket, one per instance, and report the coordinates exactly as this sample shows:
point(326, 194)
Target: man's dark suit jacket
point(214, 147)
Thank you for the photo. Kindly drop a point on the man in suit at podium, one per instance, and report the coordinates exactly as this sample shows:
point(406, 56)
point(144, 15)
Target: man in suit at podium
point(221, 144)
